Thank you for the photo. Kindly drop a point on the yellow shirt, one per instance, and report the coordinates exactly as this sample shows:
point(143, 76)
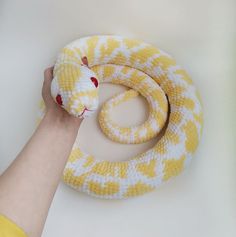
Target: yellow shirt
point(10, 229)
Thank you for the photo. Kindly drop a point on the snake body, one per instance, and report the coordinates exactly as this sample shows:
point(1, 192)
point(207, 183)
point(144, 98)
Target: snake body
point(148, 71)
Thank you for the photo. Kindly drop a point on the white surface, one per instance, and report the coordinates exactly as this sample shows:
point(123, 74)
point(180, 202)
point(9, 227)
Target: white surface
point(200, 35)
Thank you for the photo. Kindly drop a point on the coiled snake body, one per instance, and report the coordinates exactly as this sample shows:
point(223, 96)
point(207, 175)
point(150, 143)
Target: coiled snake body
point(154, 74)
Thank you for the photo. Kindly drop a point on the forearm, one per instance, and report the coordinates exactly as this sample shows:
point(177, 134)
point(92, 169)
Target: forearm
point(28, 185)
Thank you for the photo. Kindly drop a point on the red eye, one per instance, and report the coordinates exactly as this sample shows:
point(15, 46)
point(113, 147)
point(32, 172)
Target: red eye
point(59, 99)
point(94, 80)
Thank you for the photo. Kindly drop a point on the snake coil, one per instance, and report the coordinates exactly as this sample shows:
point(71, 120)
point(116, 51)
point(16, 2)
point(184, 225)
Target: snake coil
point(148, 71)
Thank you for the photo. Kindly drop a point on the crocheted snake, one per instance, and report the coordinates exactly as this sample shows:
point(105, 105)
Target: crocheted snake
point(148, 71)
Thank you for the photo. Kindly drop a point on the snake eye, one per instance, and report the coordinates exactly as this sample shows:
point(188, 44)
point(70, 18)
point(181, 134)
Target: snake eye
point(85, 61)
point(59, 99)
point(94, 81)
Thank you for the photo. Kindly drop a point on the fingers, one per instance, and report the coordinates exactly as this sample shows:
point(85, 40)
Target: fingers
point(48, 73)
point(48, 76)
point(46, 90)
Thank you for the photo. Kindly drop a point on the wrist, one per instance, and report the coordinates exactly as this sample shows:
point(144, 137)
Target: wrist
point(62, 120)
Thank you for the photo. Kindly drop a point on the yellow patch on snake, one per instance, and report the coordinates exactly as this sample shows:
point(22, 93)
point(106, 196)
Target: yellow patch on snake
point(160, 147)
point(130, 43)
point(184, 102)
point(198, 117)
point(136, 78)
point(104, 169)
point(91, 45)
point(71, 56)
point(163, 61)
point(191, 142)
point(158, 96)
point(172, 89)
point(137, 189)
point(176, 117)
point(62, 75)
point(125, 70)
point(143, 55)
point(149, 129)
point(107, 48)
point(88, 93)
point(75, 155)
point(120, 58)
point(109, 188)
point(184, 75)
point(122, 169)
point(76, 181)
point(79, 53)
point(147, 169)
point(108, 71)
point(189, 103)
point(173, 137)
point(173, 167)
point(125, 131)
point(68, 52)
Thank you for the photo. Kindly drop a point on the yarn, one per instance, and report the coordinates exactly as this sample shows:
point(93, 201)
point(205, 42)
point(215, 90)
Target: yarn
point(148, 71)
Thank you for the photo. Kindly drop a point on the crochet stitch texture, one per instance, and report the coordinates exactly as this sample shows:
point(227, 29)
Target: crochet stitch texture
point(148, 71)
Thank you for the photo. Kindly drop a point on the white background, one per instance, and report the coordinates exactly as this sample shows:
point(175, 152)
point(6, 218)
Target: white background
point(200, 34)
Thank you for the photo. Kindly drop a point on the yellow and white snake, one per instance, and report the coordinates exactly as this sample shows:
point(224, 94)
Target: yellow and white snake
point(148, 71)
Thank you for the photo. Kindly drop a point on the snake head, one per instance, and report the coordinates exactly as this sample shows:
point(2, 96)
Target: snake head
point(75, 88)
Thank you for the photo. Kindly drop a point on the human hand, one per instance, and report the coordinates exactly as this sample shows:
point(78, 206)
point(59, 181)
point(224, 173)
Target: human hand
point(53, 110)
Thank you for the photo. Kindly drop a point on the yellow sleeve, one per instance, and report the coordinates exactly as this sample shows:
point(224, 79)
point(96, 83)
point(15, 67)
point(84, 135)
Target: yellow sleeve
point(10, 229)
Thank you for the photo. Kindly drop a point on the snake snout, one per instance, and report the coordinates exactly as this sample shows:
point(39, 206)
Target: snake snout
point(84, 97)
point(80, 105)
